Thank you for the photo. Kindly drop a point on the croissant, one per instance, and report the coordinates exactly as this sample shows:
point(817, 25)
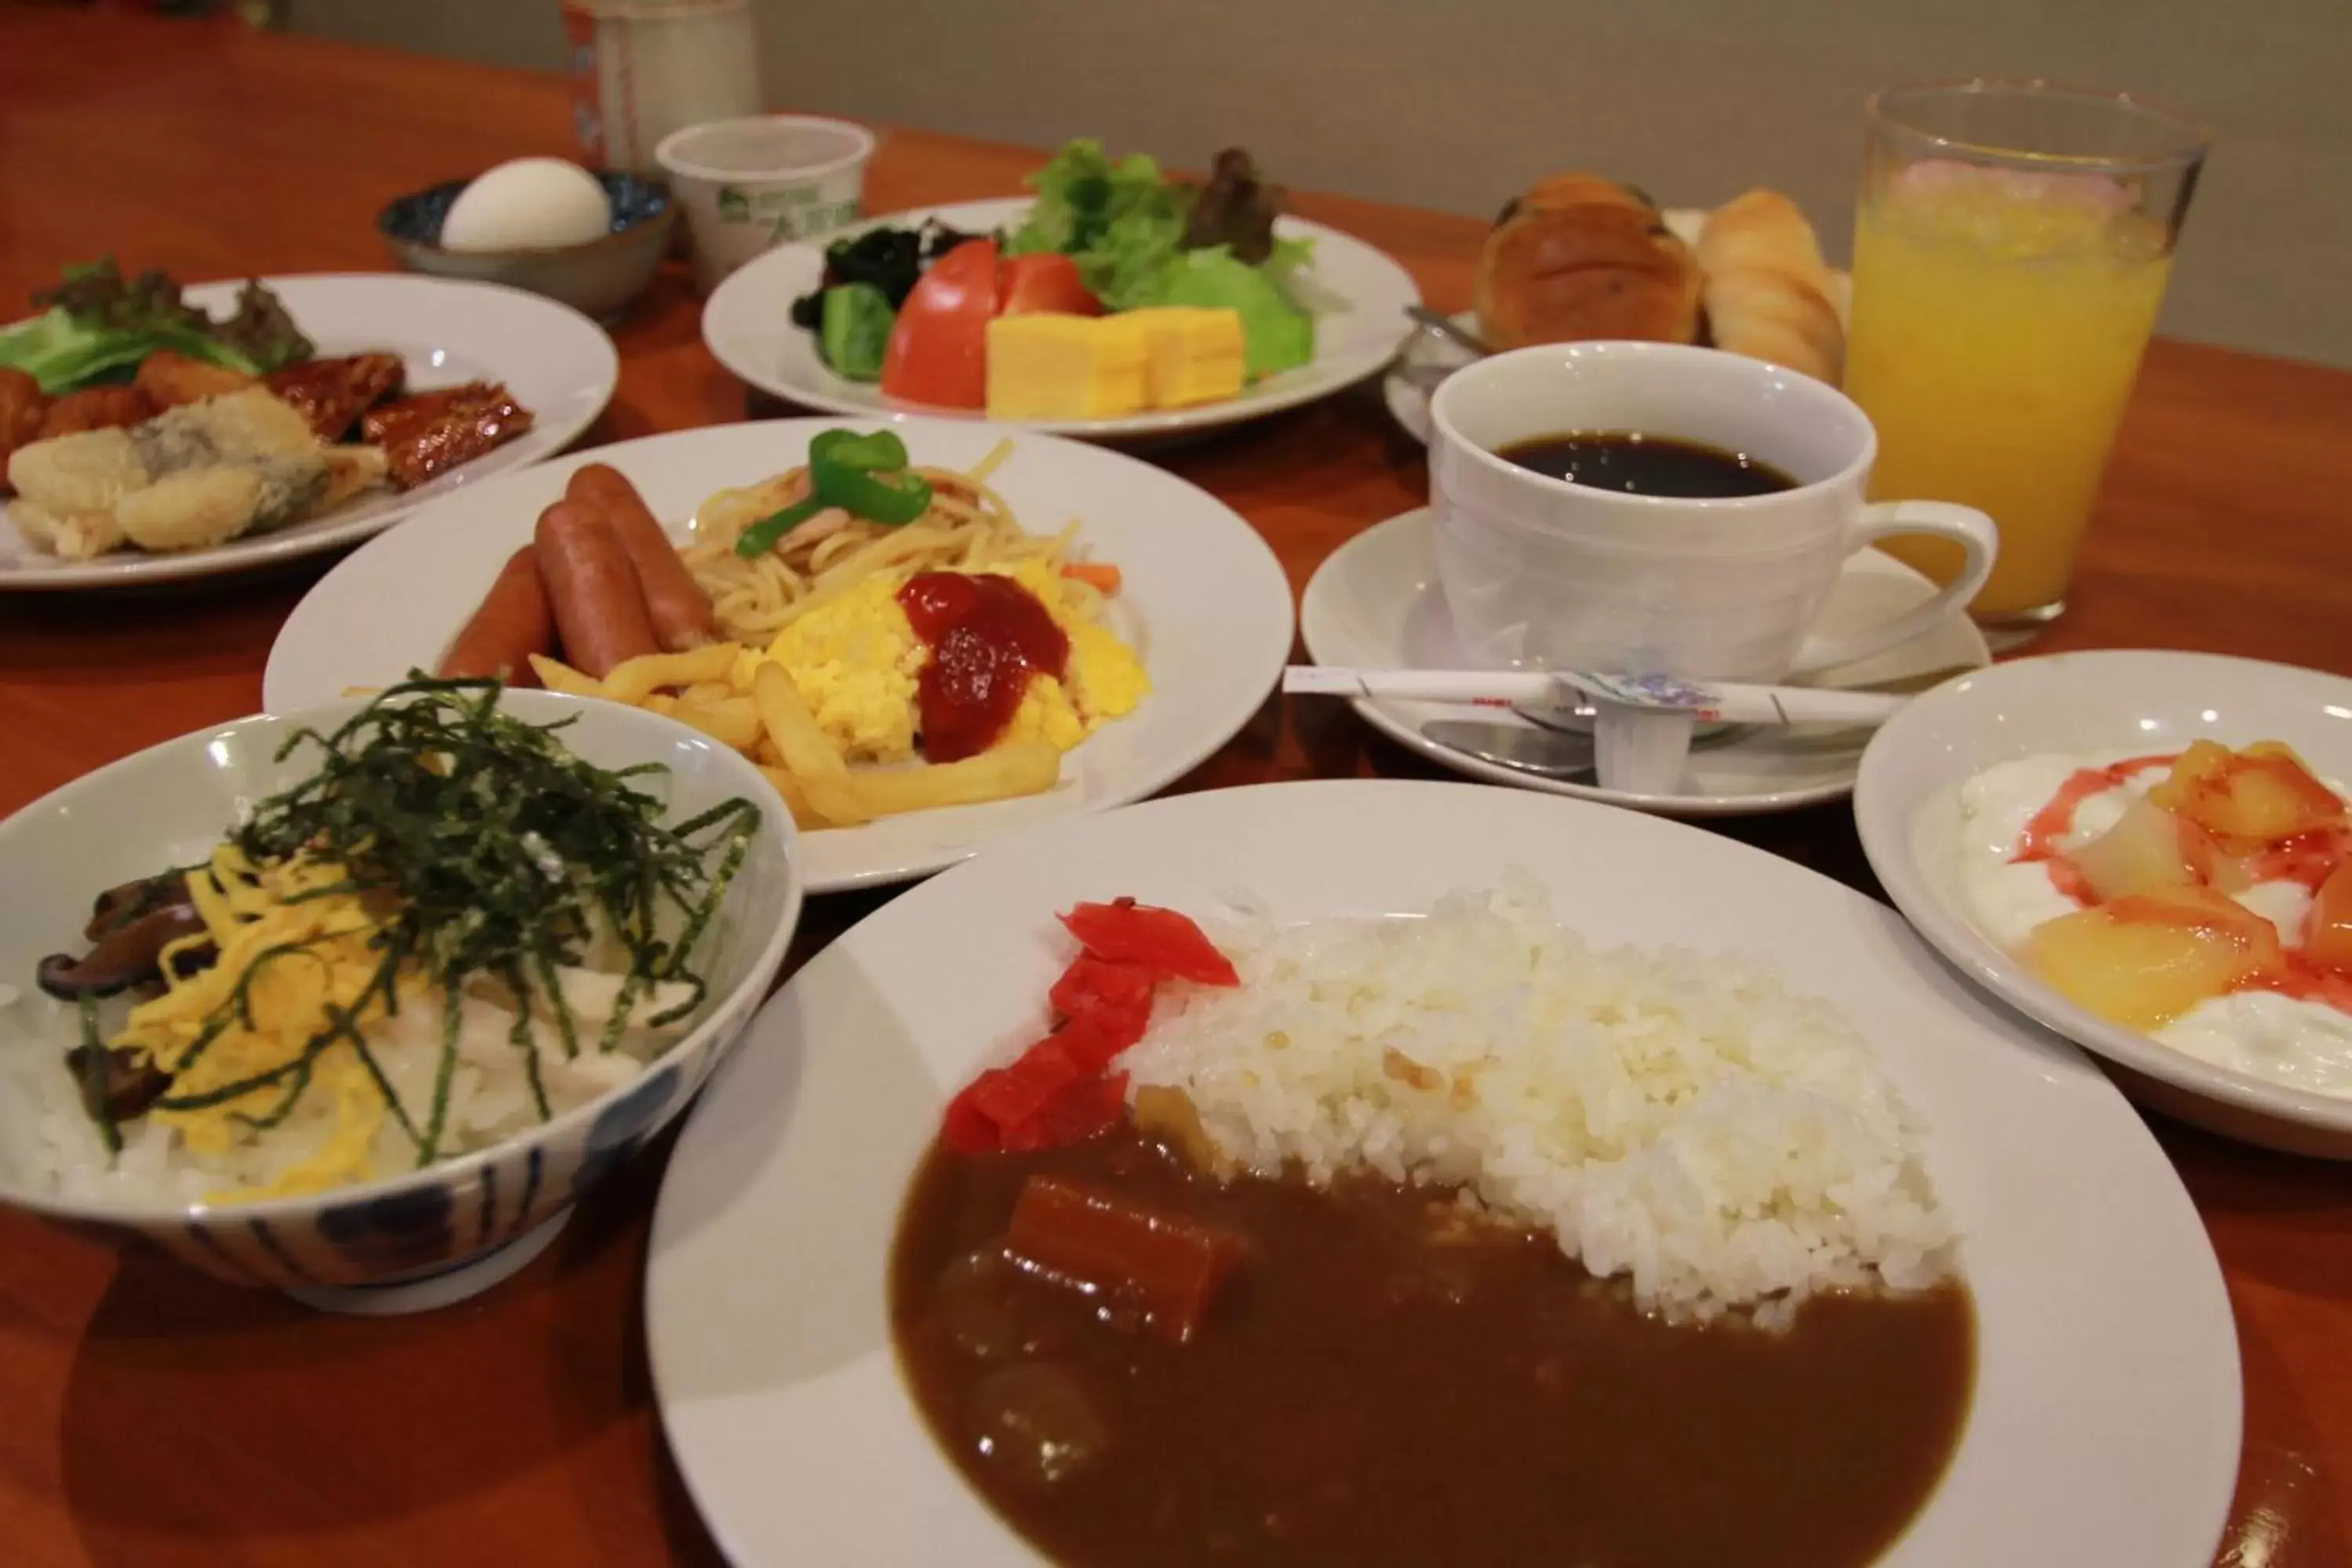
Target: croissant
point(1768, 292)
point(1581, 256)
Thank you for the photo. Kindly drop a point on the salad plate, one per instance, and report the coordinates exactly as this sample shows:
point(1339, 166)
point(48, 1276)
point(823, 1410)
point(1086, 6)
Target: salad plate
point(554, 361)
point(1202, 602)
point(1360, 296)
point(2104, 1419)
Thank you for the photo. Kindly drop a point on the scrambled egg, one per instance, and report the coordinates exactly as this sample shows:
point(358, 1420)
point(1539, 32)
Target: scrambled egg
point(856, 662)
point(308, 951)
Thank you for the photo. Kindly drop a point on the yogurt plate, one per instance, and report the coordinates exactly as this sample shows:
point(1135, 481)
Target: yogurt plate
point(1948, 788)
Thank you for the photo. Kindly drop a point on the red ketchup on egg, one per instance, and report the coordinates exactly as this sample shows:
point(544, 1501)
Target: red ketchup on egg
point(989, 637)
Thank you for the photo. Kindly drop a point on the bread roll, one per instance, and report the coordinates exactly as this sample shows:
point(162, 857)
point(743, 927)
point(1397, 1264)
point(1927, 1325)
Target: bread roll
point(1769, 293)
point(1580, 256)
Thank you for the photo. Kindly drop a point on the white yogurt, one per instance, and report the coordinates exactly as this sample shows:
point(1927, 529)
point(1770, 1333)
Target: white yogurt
point(2001, 898)
point(2286, 1039)
point(2304, 1045)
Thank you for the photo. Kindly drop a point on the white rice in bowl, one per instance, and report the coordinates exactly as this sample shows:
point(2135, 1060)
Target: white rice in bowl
point(48, 1143)
point(1683, 1120)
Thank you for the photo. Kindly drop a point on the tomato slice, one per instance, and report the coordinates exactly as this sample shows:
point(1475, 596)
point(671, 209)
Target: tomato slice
point(1162, 942)
point(1044, 283)
point(938, 352)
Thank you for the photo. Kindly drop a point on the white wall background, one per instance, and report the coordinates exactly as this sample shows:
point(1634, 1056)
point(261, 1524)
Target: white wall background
point(1455, 105)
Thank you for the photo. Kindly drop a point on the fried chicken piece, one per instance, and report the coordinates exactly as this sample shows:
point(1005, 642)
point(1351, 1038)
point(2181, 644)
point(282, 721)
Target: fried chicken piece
point(333, 393)
point(435, 431)
point(96, 408)
point(194, 476)
point(170, 378)
point(22, 405)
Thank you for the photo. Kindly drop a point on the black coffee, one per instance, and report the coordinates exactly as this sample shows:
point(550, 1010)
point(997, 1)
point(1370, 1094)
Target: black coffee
point(1643, 465)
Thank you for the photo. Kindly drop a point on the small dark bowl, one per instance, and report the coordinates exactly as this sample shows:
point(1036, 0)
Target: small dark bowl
point(599, 278)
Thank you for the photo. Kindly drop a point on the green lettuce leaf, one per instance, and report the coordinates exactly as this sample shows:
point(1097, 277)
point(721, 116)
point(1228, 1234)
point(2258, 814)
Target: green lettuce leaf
point(1120, 222)
point(99, 325)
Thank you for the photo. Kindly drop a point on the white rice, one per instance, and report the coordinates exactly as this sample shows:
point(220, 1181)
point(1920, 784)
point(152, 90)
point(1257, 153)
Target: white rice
point(48, 1144)
point(1680, 1119)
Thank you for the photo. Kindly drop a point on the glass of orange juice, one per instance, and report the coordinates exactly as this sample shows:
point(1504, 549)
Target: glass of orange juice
point(2011, 251)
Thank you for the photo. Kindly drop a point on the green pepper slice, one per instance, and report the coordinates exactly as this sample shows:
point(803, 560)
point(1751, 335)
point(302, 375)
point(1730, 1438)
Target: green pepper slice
point(761, 536)
point(866, 476)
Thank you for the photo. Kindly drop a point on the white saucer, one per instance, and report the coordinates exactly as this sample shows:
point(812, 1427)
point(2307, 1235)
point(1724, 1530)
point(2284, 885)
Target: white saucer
point(1375, 604)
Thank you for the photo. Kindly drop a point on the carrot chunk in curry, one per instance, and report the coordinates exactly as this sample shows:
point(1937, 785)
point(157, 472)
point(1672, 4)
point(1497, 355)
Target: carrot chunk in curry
point(1166, 1266)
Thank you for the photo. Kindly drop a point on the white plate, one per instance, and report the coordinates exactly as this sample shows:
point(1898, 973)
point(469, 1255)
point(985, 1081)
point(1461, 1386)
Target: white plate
point(556, 361)
point(1375, 604)
point(2104, 1421)
point(1359, 324)
point(2078, 703)
point(1205, 601)
point(1428, 359)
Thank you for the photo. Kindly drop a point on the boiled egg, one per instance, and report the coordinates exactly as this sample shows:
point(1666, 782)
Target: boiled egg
point(528, 204)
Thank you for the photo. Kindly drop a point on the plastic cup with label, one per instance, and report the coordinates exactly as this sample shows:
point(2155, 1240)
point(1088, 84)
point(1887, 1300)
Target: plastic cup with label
point(749, 186)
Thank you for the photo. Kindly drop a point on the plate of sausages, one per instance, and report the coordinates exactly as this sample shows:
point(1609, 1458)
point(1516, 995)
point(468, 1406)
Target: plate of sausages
point(928, 634)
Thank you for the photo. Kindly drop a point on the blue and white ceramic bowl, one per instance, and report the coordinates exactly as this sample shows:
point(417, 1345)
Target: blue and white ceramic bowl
point(436, 1235)
point(600, 277)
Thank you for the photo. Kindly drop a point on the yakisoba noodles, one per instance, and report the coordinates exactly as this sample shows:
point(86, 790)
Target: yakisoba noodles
point(967, 527)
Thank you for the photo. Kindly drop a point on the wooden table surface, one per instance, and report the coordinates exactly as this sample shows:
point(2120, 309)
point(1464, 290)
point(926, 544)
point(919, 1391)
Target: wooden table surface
point(151, 1418)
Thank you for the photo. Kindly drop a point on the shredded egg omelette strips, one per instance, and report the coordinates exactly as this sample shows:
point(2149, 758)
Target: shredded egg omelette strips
point(857, 660)
point(325, 961)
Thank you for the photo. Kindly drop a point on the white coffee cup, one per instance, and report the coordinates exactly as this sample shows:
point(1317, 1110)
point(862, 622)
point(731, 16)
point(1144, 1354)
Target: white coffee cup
point(1541, 571)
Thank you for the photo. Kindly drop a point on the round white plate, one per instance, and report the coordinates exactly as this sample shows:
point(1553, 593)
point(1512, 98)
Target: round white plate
point(2104, 1421)
point(1905, 806)
point(1361, 296)
point(556, 361)
point(1203, 602)
point(1375, 604)
point(1429, 359)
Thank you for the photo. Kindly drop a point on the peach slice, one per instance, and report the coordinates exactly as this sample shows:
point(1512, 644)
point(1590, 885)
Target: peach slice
point(2148, 848)
point(2264, 792)
point(2328, 938)
point(2145, 959)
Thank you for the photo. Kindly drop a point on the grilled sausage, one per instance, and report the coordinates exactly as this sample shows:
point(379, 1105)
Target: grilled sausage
point(599, 608)
point(514, 622)
point(680, 609)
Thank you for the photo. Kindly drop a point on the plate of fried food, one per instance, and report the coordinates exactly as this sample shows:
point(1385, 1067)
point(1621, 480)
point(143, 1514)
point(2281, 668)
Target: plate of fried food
point(150, 433)
point(1580, 256)
point(928, 633)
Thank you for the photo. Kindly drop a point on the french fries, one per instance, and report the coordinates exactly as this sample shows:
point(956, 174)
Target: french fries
point(729, 721)
point(560, 677)
point(1016, 768)
point(808, 755)
point(634, 679)
point(772, 726)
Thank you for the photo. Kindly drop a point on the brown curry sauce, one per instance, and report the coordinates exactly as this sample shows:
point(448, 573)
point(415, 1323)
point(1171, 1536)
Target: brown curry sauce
point(1383, 1380)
